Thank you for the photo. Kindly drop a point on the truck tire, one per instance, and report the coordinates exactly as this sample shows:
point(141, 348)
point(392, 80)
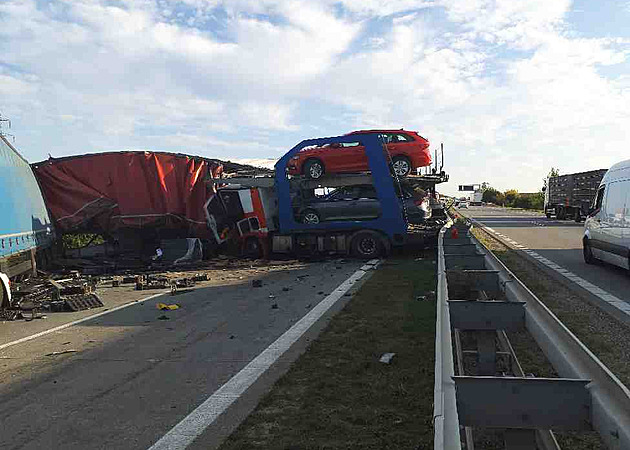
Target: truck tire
point(578, 216)
point(314, 169)
point(548, 215)
point(401, 165)
point(367, 245)
point(252, 248)
point(560, 213)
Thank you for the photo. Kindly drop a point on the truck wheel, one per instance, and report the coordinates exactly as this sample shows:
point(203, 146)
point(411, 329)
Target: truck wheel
point(401, 165)
point(548, 216)
point(578, 217)
point(366, 245)
point(252, 248)
point(314, 169)
point(560, 213)
point(310, 216)
point(587, 252)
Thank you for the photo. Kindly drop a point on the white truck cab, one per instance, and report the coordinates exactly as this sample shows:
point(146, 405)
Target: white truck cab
point(607, 227)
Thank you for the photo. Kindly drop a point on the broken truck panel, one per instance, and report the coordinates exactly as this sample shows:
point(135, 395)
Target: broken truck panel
point(109, 191)
point(24, 222)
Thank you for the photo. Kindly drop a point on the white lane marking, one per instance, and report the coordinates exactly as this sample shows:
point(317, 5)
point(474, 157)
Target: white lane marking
point(618, 303)
point(195, 423)
point(76, 322)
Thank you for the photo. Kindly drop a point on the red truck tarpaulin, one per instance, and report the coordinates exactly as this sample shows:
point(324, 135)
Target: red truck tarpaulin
point(108, 191)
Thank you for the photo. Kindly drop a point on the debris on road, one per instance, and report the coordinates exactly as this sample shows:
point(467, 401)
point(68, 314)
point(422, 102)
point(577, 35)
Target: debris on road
point(63, 352)
point(386, 358)
point(165, 307)
point(256, 283)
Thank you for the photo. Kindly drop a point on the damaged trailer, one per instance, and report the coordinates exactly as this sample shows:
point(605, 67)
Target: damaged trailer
point(134, 199)
point(26, 233)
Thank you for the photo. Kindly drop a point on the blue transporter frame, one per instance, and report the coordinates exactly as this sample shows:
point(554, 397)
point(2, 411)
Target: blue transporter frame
point(390, 222)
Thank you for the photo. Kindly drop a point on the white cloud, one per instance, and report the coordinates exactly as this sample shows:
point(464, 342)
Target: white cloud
point(501, 83)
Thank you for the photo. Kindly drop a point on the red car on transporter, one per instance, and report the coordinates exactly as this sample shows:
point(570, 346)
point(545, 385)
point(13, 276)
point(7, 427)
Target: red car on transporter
point(407, 149)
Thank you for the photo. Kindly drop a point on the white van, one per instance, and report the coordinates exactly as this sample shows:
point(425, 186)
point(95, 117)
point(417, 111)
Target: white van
point(607, 227)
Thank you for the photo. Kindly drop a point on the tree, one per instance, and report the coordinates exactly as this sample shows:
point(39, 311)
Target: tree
point(510, 197)
point(491, 195)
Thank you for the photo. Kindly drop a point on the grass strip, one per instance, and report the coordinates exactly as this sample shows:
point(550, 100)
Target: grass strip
point(338, 395)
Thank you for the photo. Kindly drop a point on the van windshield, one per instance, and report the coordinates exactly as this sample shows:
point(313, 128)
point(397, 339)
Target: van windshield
point(597, 201)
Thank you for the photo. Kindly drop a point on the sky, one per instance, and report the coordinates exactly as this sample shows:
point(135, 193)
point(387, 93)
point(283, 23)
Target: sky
point(512, 88)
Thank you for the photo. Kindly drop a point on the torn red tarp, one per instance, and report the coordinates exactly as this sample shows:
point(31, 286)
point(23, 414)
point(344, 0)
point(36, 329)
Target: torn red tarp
point(107, 191)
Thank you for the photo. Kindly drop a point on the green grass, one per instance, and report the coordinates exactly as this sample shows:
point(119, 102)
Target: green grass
point(338, 395)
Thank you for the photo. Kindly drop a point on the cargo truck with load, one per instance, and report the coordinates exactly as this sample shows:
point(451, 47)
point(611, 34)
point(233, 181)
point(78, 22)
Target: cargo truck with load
point(26, 233)
point(570, 196)
point(372, 210)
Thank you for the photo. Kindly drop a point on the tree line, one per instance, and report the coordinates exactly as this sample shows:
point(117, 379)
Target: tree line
point(513, 199)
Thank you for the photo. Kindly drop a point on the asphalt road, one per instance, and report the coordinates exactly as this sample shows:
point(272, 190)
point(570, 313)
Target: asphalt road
point(129, 376)
point(557, 240)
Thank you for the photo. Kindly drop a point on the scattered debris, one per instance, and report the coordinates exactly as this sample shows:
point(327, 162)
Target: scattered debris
point(421, 298)
point(63, 352)
point(164, 317)
point(386, 358)
point(165, 307)
point(320, 292)
point(274, 306)
point(271, 296)
point(309, 306)
point(256, 283)
point(286, 289)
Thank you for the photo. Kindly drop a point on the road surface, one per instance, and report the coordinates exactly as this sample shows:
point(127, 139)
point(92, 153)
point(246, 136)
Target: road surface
point(557, 240)
point(124, 379)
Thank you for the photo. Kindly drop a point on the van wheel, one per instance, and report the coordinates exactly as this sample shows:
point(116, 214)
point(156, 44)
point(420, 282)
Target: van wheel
point(588, 252)
point(367, 245)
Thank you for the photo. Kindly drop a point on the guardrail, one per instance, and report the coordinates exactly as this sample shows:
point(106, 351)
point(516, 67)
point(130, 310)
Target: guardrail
point(588, 397)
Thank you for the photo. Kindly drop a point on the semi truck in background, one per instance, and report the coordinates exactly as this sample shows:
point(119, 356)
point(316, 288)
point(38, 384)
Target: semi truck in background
point(476, 198)
point(570, 196)
point(26, 233)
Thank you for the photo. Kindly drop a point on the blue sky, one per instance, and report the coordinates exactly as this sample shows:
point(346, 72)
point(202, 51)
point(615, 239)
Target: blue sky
point(511, 88)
